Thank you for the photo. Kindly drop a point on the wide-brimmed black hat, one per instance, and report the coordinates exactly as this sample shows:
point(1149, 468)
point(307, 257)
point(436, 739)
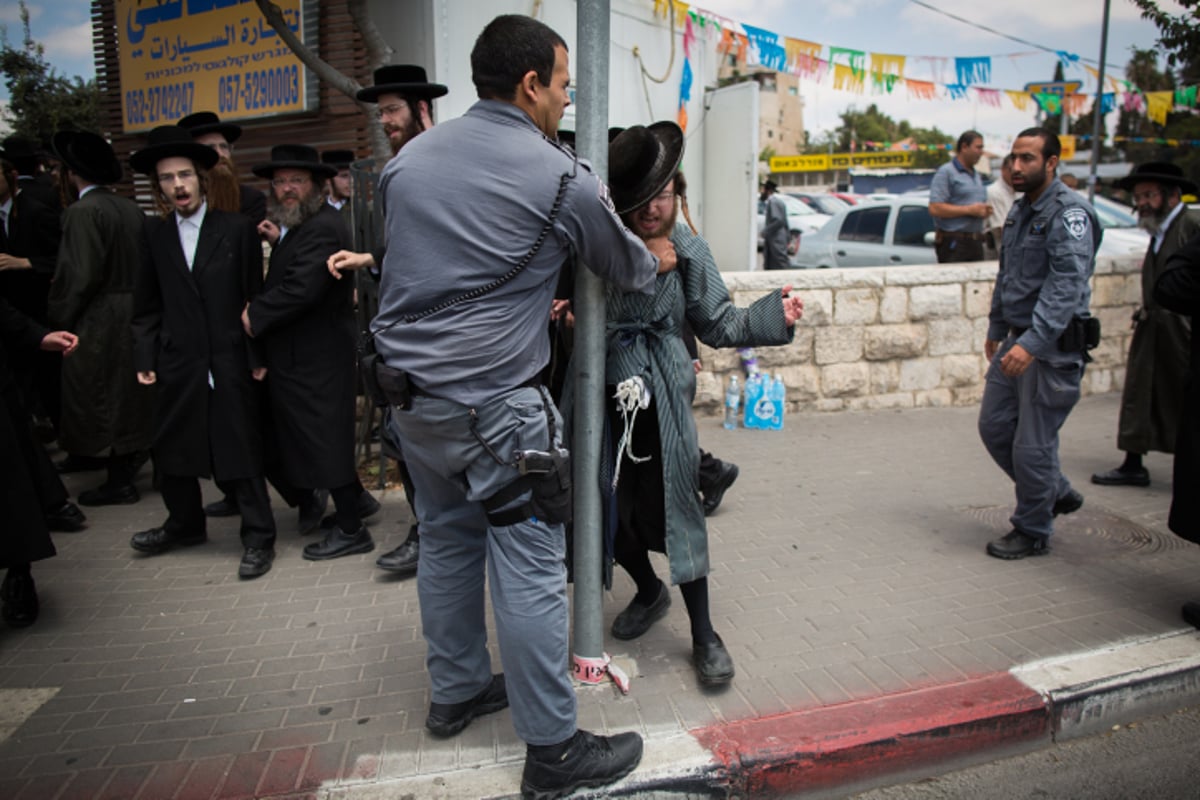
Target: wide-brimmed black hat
point(1156, 172)
point(20, 152)
point(294, 156)
point(404, 79)
point(341, 159)
point(171, 141)
point(87, 155)
point(641, 162)
point(203, 122)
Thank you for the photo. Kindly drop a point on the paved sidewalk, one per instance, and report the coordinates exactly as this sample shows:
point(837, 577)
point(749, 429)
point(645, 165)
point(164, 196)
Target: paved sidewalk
point(870, 631)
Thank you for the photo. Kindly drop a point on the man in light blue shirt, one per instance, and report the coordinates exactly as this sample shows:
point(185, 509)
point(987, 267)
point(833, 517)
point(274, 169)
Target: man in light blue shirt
point(958, 203)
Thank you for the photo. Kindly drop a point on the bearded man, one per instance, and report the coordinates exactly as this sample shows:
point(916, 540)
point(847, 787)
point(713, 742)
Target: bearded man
point(225, 191)
point(305, 321)
point(1152, 400)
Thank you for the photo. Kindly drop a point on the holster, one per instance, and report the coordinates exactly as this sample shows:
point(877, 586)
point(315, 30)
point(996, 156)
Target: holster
point(1081, 335)
point(386, 386)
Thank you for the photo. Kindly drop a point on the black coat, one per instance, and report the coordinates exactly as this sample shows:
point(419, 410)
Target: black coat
point(33, 233)
point(253, 203)
point(1178, 289)
point(23, 534)
point(187, 325)
point(304, 319)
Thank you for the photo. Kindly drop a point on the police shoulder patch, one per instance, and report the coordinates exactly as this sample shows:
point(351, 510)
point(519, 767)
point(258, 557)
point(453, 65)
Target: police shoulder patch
point(1077, 221)
point(605, 197)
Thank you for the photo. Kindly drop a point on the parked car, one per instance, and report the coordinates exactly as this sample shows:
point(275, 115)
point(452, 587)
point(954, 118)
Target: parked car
point(822, 203)
point(802, 221)
point(873, 233)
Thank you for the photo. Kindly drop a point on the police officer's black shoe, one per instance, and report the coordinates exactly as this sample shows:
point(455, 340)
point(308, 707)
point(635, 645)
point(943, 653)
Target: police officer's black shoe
point(1123, 477)
point(404, 559)
point(583, 761)
point(636, 619)
point(1069, 503)
point(447, 719)
point(714, 493)
point(1191, 613)
point(338, 543)
point(1016, 544)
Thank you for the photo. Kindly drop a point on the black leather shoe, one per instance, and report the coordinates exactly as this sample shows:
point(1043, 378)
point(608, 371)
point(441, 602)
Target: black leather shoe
point(67, 518)
point(80, 464)
point(311, 511)
point(1120, 477)
point(588, 761)
point(1069, 503)
point(256, 561)
point(403, 560)
point(20, 599)
point(716, 492)
point(225, 507)
point(1191, 613)
point(338, 543)
point(1016, 544)
point(447, 719)
point(160, 540)
point(108, 495)
point(714, 667)
point(636, 619)
point(368, 507)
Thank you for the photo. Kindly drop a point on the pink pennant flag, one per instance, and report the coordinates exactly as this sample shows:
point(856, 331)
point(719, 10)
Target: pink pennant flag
point(989, 97)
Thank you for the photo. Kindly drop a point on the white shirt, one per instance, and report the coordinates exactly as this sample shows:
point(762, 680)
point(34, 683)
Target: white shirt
point(1157, 239)
point(1000, 199)
point(335, 203)
point(5, 210)
point(189, 231)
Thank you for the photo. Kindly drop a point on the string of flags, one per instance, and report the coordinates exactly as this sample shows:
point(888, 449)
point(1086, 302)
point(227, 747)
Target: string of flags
point(855, 71)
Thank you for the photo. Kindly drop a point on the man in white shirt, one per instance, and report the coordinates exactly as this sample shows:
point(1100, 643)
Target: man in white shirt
point(1000, 198)
point(201, 267)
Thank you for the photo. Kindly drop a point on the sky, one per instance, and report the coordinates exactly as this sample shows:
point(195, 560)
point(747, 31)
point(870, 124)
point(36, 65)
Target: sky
point(885, 26)
point(904, 27)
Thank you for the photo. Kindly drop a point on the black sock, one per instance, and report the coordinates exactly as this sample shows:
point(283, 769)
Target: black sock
point(345, 503)
point(1133, 463)
point(638, 565)
point(695, 597)
point(550, 752)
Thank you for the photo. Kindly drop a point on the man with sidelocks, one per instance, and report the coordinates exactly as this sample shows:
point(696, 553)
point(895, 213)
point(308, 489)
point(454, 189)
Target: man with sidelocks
point(466, 287)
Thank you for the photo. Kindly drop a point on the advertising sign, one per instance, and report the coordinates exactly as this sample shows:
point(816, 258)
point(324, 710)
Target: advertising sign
point(831, 161)
point(182, 56)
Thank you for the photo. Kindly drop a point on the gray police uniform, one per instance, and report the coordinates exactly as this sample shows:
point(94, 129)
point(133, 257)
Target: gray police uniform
point(1046, 259)
point(473, 365)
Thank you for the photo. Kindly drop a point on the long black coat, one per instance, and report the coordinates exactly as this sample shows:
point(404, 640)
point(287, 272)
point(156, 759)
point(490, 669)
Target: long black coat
point(187, 325)
point(1178, 289)
point(23, 534)
point(304, 319)
point(104, 408)
point(33, 233)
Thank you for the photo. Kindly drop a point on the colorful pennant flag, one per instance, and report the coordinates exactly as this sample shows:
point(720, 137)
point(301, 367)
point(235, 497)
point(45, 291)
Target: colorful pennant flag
point(766, 49)
point(854, 59)
point(1158, 105)
point(847, 79)
point(803, 57)
point(921, 90)
point(973, 70)
point(989, 97)
point(1020, 100)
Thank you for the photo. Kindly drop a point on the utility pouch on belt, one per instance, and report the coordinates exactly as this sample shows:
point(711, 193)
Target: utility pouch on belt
point(386, 386)
point(1081, 335)
point(547, 475)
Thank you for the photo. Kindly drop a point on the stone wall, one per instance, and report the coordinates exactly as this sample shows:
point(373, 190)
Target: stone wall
point(904, 337)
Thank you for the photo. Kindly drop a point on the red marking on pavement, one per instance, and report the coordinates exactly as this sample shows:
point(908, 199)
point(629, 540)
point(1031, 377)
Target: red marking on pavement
point(840, 744)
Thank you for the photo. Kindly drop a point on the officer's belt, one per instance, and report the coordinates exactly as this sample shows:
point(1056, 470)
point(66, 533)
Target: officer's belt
point(973, 237)
point(417, 391)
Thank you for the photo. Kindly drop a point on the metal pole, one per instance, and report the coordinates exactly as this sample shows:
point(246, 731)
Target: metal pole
point(1097, 116)
point(591, 137)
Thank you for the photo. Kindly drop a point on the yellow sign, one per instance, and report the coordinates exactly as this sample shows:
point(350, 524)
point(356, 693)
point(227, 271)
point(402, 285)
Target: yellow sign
point(1060, 88)
point(833, 161)
point(182, 56)
point(1067, 142)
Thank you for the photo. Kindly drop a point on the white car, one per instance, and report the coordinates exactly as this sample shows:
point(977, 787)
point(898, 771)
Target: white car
point(873, 233)
point(802, 220)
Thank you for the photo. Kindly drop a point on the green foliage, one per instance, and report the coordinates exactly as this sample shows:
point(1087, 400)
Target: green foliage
point(767, 154)
point(40, 100)
point(1179, 36)
point(1142, 70)
point(873, 130)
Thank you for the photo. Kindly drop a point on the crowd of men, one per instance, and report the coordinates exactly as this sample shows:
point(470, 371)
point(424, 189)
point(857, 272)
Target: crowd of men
point(164, 337)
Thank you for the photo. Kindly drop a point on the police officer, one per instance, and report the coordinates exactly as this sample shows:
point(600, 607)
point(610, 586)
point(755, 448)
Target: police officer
point(465, 292)
point(1035, 340)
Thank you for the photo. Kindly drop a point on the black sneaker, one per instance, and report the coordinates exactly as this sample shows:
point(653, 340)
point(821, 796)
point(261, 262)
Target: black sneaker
point(587, 761)
point(715, 493)
point(448, 719)
point(1016, 544)
point(1069, 503)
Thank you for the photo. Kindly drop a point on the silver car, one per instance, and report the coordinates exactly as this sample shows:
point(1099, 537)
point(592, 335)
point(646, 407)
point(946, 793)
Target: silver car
point(884, 232)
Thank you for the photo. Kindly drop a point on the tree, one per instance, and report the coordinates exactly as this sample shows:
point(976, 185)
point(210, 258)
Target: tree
point(873, 130)
point(40, 100)
point(1179, 36)
point(1142, 71)
point(379, 52)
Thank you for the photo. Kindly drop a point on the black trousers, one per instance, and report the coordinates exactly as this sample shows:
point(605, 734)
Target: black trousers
point(185, 509)
point(953, 249)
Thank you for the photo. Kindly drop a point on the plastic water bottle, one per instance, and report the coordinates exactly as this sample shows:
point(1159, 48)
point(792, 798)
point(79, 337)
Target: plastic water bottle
point(778, 397)
point(733, 399)
point(755, 386)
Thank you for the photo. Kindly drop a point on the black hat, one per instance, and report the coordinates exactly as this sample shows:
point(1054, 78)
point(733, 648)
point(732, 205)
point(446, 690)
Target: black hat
point(22, 153)
point(294, 156)
point(641, 162)
point(87, 155)
point(169, 141)
point(403, 79)
point(1156, 172)
point(337, 158)
point(203, 122)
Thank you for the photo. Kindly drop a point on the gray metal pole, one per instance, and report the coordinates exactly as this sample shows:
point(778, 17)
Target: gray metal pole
point(1097, 117)
point(591, 137)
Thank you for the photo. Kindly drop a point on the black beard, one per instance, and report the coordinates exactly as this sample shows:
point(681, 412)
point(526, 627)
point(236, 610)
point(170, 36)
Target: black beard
point(294, 216)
